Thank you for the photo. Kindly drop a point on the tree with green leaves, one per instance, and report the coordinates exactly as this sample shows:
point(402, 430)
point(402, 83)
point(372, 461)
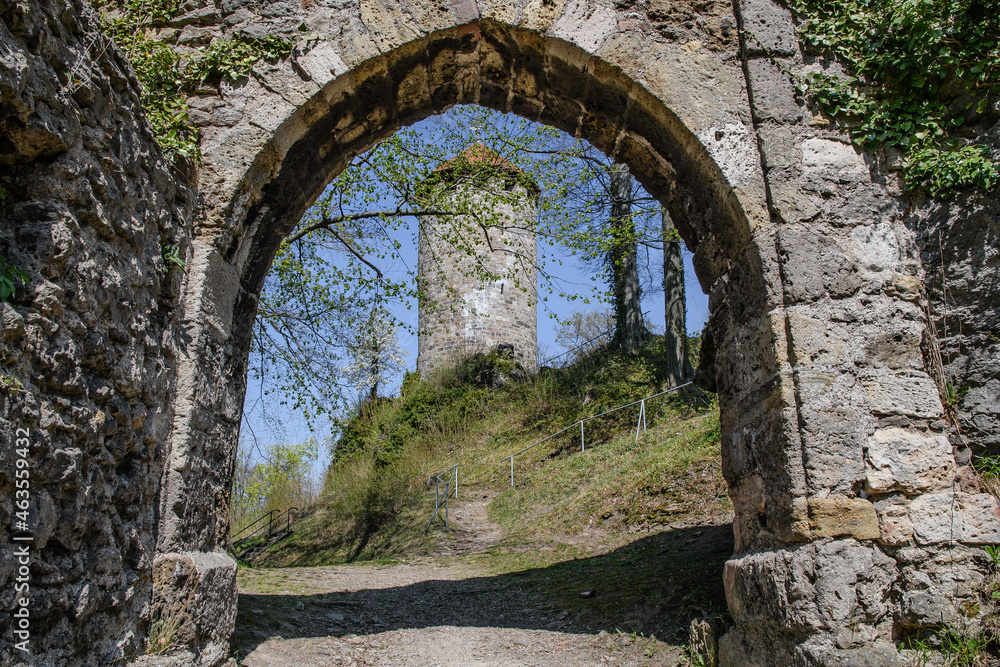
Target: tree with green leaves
point(279, 479)
point(623, 264)
point(585, 332)
point(375, 354)
point(614, 225)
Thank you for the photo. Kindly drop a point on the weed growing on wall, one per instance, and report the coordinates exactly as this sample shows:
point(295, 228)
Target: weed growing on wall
point(10, 278)
point(167, 79)
point(922, 72)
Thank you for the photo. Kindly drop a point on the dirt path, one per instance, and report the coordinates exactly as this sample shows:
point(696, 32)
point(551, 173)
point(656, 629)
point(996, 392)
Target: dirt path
point(450, 610)
point(418, 615)
point(471, 527)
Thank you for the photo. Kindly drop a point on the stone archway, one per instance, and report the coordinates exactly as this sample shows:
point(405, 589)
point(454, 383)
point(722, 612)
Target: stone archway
point(846, 489)
point(342, 111)
point(804, 392)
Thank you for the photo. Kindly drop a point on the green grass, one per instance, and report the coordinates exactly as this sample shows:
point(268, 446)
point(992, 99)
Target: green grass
point(376, 501)
point(622, 484)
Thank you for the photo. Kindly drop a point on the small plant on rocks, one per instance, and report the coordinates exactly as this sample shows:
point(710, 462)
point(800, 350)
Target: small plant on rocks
point(10, 278)
point(167, 79)
point(921, 75)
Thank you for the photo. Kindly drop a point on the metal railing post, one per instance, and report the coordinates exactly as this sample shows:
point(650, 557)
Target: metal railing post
point(641, 424)
point(640, 427)
point(447, 484)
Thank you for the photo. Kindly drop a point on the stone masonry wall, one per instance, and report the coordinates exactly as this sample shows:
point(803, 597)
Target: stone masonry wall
point(87, 348)
point(460, 315)
point(860, 534)
point(959, 244)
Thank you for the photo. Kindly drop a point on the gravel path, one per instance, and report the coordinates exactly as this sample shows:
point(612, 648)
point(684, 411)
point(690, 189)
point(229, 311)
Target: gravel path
point(448, 646)
point(442, 612)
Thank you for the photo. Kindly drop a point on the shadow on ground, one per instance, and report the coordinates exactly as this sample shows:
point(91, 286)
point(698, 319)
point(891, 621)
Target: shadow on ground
point(653, 586)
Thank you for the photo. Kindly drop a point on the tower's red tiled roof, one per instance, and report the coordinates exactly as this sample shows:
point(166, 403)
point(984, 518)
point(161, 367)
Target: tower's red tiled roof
point(478, 154)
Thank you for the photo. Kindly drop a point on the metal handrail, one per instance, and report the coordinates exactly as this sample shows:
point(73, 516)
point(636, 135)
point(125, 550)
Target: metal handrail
point(641, 424)
point(578, 347)
point(267, 515)
point(438, 480)
point(271, 522)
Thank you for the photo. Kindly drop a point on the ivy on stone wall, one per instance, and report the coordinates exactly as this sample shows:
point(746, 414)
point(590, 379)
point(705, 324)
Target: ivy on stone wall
point(168, 79)
point(921, 75)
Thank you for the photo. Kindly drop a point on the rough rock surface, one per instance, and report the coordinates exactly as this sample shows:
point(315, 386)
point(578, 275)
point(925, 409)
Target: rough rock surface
point(87, 348)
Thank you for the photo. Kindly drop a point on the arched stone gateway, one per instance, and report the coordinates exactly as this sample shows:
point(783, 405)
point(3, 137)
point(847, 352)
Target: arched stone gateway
point(855, 521)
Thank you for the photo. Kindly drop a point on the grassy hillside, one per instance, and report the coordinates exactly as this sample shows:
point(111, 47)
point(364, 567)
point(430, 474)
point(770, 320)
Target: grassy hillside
point(566, 504)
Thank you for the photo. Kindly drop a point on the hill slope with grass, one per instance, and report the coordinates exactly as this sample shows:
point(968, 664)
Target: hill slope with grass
point(376, 501)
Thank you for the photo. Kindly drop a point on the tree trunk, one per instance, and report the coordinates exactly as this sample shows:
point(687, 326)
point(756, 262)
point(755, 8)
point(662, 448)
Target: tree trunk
point(623, 262)
point(675, 337)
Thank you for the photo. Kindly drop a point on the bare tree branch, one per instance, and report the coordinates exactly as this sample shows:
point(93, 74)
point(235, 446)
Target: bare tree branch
point(327, 222)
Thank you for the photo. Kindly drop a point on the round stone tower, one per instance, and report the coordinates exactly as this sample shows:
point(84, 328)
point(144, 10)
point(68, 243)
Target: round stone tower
point(478, 270)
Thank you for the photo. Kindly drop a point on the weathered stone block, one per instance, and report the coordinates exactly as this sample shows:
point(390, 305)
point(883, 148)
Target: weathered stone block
point(790, 203)
point(322, 63)
point(955, 517)
point(733, 147)
point(463, 11)
point(908, 461)
point(696, 86)
point(906, 287)
point(215, 287)
point(840, 516)
point(877, 246)
point(772, 92)
point(879, 653)
point(748, 495)
point(896, 346)
point(831, 448)
point(928, 608)
point(815, 265)
point(779, 147)
point(912, 393)
point(895, 524)
point(812, 341)
point(203, 16)
point(586, 24)
point(197, 591)
point(831, 584)
point(833, 160)
point(769, 27)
